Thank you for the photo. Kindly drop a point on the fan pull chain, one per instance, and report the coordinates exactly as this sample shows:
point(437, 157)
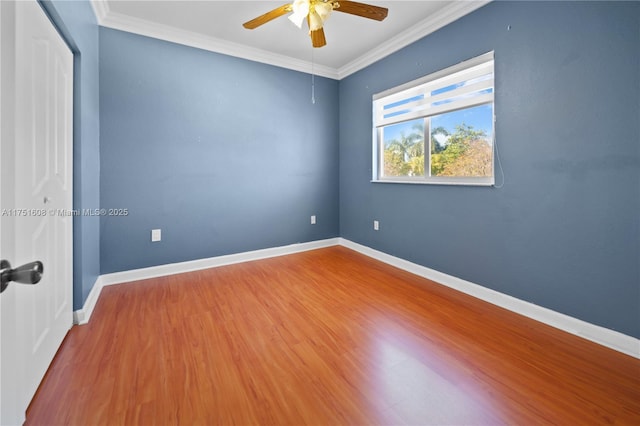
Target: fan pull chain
point(313, 80)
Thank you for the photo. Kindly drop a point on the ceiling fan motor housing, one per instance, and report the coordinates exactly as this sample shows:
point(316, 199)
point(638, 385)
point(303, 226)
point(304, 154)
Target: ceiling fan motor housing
point(317, 12)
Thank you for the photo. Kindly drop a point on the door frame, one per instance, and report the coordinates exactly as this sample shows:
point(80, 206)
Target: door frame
point(9, 412)
point(12, 367)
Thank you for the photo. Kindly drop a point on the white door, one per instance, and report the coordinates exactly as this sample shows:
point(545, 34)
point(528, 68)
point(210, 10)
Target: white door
point(36, 198)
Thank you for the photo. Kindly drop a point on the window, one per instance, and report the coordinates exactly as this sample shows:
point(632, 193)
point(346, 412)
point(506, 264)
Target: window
point(437, 129)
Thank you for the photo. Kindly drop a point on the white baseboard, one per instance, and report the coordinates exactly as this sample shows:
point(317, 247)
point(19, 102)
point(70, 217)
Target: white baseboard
point(82, 316)
point(603, 336)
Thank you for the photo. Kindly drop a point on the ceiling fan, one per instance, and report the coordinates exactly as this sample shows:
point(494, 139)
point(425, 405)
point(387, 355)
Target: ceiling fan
point(316, 13)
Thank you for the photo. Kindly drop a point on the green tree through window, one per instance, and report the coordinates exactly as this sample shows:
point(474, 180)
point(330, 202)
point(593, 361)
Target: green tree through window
point(466, 153)
point(439, 128)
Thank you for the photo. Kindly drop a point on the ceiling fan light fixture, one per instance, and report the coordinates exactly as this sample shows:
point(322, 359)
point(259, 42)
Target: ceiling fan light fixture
point(315, 21)
point(323, 9)
point(300, 12)
point(316, 12)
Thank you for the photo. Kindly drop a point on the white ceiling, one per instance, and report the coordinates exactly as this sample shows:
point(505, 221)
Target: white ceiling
point(352, 42)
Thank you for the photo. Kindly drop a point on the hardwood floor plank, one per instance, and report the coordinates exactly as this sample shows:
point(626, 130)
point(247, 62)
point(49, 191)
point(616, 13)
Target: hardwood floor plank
point(324, 337)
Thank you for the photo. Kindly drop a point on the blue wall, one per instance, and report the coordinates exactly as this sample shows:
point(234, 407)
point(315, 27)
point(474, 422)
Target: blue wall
point(564, 231)
point(226, 155)
point(223, 154)
point(77, 23)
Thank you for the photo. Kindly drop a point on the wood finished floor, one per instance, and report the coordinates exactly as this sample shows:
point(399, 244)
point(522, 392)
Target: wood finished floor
point(324, 337)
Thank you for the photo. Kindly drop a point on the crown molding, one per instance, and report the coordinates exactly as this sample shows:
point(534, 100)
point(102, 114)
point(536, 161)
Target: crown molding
point(455, 10)
point(100, 9)
point(117, 21)
point(452, 12)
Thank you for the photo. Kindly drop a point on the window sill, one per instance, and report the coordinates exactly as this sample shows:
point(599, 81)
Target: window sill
point(441, 181)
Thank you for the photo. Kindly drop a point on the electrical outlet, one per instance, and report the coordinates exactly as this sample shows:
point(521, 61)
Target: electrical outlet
point(156, 235)
point(376, 225)
point(313, 219)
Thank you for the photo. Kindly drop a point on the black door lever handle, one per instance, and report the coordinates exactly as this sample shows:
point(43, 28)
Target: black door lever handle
point(29, 273)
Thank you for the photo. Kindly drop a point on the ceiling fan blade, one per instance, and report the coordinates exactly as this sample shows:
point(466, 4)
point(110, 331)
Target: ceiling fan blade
point(263, 19)
point(361, 9)
point(317, 38)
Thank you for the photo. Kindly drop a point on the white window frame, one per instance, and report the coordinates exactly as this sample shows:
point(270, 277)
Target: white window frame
point(425, 108)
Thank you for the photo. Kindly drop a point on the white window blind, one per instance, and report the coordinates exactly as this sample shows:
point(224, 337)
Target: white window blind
point(464, 85)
